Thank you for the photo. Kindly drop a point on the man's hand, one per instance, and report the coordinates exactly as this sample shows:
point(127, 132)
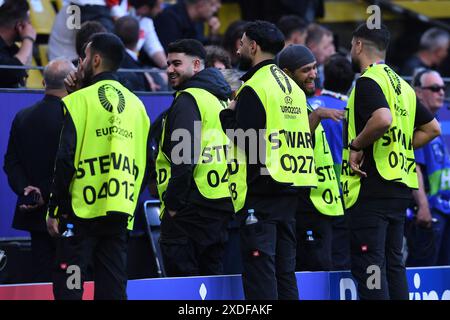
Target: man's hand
point(232, 105)
point(25, 29)
point(40, 201)
point(328, 113)
point(74, 79)
point(172, 213)
point(214, 25)
point(356, 160)
point(423, 217)
point(52, 227)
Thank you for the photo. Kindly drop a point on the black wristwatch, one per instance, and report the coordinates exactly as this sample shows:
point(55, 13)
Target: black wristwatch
point(352, 147)
point(29, 38)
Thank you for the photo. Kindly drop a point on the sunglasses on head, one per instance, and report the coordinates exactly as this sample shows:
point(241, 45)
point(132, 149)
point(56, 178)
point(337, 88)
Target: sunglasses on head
point(434, 88)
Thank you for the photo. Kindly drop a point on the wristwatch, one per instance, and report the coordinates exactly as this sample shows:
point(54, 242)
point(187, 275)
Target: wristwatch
point(352, 147)
point(29, 38)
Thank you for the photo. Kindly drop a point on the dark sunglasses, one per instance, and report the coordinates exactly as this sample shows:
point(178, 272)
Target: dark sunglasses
point(434, 88)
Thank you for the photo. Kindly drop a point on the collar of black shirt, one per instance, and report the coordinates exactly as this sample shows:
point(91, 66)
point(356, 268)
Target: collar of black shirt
point(107, 75)
point(253, 70)
point(50, 98)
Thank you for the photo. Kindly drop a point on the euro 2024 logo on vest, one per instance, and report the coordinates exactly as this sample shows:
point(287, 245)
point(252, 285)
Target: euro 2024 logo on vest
point(111, 98)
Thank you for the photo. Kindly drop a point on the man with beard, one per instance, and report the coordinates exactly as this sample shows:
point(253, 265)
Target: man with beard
point(15, 26)
point(383, 126)
point(191, 167)
point(99, 169)
point(270, 115)
point(317, 208)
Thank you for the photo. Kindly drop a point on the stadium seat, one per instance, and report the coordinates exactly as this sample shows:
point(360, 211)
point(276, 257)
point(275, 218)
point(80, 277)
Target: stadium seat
point(43, 54)
point(152, 211)
point(34, 80)
point(42, 16)
point(59, 4)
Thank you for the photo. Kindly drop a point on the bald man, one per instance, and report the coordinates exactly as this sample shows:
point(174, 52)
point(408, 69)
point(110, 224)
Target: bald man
point(29, 162)
point(429, 245)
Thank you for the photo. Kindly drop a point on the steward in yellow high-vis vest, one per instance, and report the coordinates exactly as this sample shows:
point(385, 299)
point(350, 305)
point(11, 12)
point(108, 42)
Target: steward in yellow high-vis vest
point(99, 170)
point(393, 154)
point(317, 207)
point(268, 124)
point(191, 166)
point(384, 123)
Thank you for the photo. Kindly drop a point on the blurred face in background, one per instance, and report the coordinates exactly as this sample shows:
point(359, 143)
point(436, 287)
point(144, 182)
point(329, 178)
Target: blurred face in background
point(246, 52)
point(304, 77)
point(324, 48)
point(431, 93)
point(207, 8)
point(181, 67)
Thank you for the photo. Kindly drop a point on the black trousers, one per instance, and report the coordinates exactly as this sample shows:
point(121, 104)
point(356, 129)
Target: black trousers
point(340, 246)
point(268, 249)
point(377, 227)
point(105, 249)
point(193, 241)
point(314, 255)
point(43, 248)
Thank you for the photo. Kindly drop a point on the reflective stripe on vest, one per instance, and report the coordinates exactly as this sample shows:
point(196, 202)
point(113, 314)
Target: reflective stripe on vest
point(210, 173)
point(111, 130)
point(326, 197)
point(393, 153)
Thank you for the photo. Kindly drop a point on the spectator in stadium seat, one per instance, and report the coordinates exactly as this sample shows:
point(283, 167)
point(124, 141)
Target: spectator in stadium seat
point(293, 28)
point(186, 19)
point(149, 46)
point(434, 45)
point(15, 26)
point(217, 57)
point(127, 29)
point(433, 197)
point(29, 161)
point(232, 39)
point(320, 42)
point(62, 37)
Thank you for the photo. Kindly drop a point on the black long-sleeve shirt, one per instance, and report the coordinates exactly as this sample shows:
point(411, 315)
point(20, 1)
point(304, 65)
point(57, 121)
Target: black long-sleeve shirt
point(250, 114)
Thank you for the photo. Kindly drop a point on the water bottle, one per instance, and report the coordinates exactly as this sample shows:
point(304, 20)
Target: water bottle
point(69, 231)
point(251, 218)
point(309, 236)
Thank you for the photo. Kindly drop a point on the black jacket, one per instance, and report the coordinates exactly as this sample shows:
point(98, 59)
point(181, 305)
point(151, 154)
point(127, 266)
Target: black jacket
point(30, 157)
point(10, 78)
point(250, 114)
point(181, 115)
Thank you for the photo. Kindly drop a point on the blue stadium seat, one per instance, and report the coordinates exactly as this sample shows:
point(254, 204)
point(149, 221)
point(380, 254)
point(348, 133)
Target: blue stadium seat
point(152, 211)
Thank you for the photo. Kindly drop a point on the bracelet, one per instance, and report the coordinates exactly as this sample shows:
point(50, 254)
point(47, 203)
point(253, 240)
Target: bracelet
point(352, 147)
point(29, 38)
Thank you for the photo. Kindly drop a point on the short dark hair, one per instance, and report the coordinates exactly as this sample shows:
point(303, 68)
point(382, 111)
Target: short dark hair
point(140, 3)
point(338, 73)
point(234, 32)
point(290, 24)
point(315, 34)
point(216, 53)
point(190, 47)
point(379, 36)
point(12, 11)
point(266, 35)
point(127, 29)
point(110, 48)
point(87, 29)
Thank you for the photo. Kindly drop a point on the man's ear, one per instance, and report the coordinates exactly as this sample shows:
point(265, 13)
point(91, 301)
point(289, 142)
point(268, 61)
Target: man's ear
point(253, 47)
point(97, 60)
point(287, 72)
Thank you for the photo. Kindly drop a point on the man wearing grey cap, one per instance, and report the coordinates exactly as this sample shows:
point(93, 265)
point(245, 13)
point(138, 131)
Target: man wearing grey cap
point(317, 207)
